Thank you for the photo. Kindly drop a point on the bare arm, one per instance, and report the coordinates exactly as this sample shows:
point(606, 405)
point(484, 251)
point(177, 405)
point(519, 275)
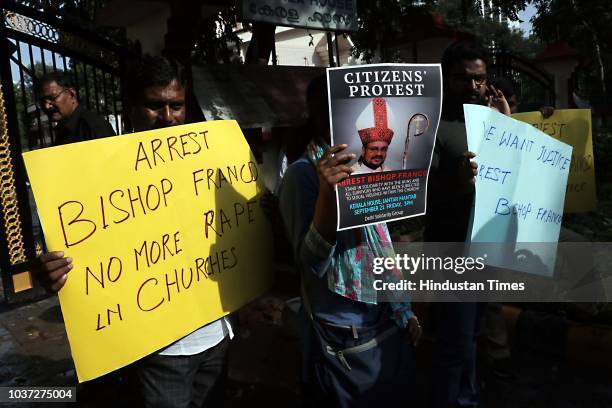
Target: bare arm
point(332, 168)
point(497, 100)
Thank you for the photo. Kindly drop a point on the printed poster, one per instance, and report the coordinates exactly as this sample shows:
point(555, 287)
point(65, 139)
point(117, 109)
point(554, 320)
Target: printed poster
point(388, 115)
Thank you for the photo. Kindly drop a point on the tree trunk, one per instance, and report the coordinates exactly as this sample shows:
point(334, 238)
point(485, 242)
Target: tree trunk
point(261, 45)
point(602, 71)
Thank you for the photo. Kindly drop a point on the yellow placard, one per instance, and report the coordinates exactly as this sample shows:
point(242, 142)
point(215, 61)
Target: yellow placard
point(165, 231)
point(572, 126)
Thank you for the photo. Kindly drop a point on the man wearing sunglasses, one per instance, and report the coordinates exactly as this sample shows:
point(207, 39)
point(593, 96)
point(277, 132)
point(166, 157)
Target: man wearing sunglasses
point(58, 100)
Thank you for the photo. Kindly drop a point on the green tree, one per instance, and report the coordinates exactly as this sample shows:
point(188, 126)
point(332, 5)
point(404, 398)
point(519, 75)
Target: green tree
point(380, 21)
point(25, 101)
point(584, 25)
point(487, 30)
point(216, 42)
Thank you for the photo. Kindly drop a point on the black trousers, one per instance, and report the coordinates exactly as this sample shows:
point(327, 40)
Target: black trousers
point(455, 383)
point(182, 381)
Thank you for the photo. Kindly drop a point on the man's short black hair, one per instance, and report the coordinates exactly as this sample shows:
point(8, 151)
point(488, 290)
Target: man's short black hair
point(461, 51)
point(153, 71)
point(63, 79)
point(508, 87)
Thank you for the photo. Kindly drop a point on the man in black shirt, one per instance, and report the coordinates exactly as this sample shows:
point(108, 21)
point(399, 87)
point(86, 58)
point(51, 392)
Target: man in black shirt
point(451, 182)
point(57, 98)
point(449, 204)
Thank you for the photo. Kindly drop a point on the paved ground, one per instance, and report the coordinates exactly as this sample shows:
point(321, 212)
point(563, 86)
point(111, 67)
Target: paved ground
point(264, 364)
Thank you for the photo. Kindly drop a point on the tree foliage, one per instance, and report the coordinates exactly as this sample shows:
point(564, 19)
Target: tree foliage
point(216, 42)
point(379, 21)
point(489, 31)
point(584, 25)
point(557, 20)
point(382, 20)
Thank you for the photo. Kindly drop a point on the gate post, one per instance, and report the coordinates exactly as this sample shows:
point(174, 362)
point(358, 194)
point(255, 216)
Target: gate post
point(15, 217)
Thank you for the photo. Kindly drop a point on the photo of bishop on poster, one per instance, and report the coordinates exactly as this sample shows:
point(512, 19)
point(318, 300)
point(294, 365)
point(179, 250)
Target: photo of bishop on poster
point(388, 115)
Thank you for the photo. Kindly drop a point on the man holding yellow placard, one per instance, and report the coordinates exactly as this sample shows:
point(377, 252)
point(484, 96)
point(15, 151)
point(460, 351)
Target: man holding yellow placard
point(191, 371)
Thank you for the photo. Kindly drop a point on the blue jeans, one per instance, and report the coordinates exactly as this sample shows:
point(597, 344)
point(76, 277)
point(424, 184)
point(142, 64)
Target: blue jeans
point(381, 376)
point(454, 375)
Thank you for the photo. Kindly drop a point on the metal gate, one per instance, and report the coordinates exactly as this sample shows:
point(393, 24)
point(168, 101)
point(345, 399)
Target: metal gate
point(534, 85)
point(37, 37)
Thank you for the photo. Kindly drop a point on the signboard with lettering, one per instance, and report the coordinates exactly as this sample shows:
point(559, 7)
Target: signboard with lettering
point(165, 232)
point(520, 188)
point(572, 126)
point(329, 15)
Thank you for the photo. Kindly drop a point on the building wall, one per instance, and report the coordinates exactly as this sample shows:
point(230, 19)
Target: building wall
point(150, 31)
point(292, 47)
point(145, 21)
point(562, 72)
